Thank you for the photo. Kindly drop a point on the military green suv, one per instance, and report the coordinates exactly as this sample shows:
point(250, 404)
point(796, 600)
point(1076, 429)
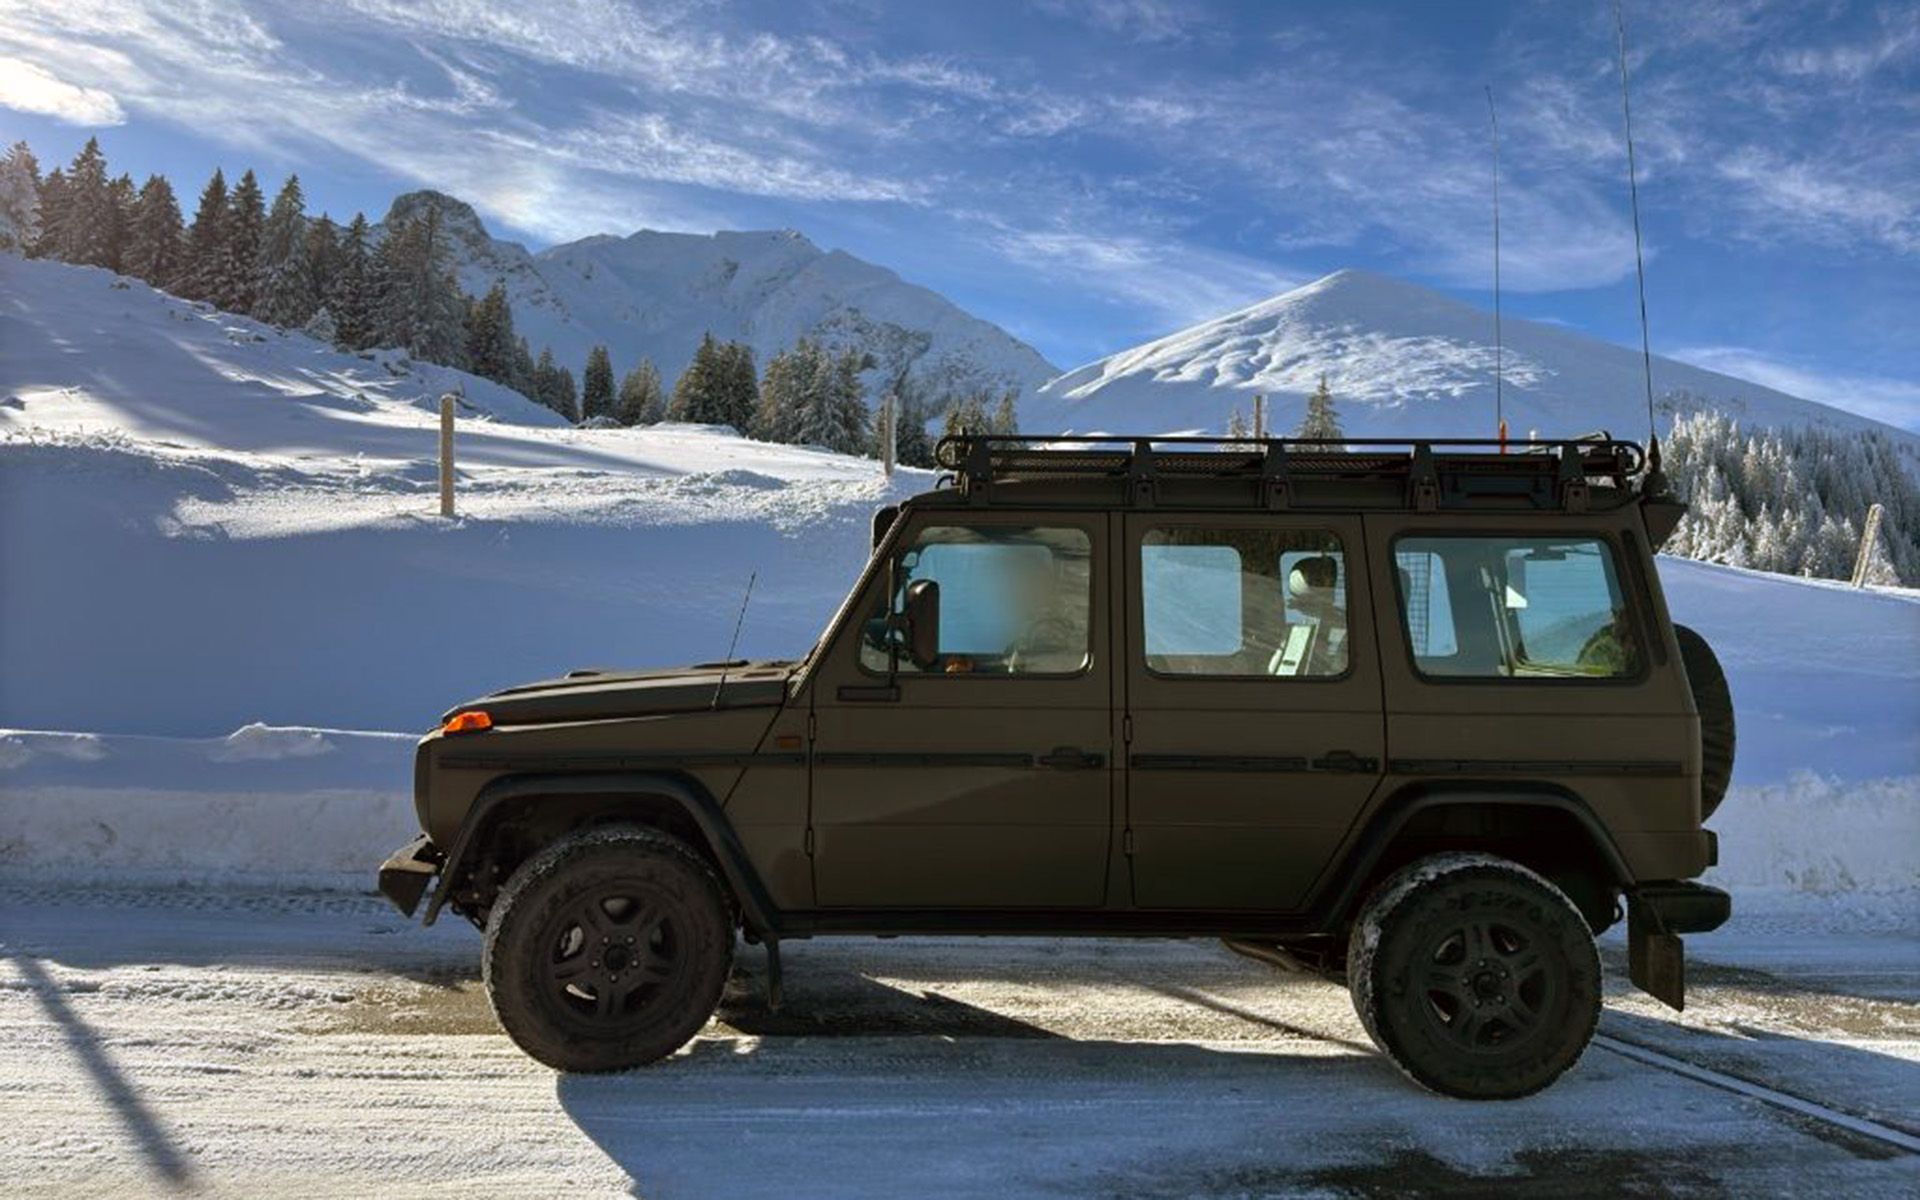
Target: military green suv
point(1409, 713)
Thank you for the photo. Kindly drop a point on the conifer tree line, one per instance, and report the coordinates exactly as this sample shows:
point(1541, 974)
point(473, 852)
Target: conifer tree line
point(347, 286)
point(1793, 501)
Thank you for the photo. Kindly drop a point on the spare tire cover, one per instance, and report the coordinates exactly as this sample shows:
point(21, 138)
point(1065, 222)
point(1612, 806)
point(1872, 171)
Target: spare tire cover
point(1714, 700)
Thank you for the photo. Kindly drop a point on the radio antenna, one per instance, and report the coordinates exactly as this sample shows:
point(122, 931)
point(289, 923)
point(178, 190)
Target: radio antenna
point(1639, 256)
point(726, 664)
point(1499, 355)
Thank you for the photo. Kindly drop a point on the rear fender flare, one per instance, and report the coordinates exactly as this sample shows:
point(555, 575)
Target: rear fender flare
point(1394, 816)
point(508, 794)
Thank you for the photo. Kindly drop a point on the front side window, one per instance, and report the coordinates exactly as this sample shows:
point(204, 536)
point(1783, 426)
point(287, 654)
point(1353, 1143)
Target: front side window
point(1012, 601)
point(1515, 607)
point(1243, 602)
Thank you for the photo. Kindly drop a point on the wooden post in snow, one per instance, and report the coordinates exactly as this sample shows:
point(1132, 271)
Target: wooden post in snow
point(1259, 415)
point(1868, 536)
point(446, 455)
point(887, 438)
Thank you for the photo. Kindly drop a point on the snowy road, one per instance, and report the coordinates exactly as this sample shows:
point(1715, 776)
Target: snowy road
point(175, 1040)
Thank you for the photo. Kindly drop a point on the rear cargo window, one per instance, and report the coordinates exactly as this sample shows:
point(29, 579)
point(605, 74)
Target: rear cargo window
point(1243, 602)
point(1515, 607)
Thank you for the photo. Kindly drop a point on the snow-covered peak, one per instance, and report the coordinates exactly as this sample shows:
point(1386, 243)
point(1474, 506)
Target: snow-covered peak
point(654, 294)
point(1402, 361)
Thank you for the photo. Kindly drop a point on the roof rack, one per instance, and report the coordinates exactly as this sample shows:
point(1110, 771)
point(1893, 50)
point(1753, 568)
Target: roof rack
point(1430, 473)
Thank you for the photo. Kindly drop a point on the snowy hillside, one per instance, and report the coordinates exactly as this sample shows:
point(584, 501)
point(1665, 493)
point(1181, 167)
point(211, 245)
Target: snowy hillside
point(204, 522)
point(654, 294)
point(1401, 361)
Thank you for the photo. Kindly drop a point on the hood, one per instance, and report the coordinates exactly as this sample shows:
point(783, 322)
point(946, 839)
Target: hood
point(590, 695)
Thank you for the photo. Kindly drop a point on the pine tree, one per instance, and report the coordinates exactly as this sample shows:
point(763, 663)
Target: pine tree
point(236, 279)
point(1006, 415)
point(520, 370)
point(780, 390)
point(206, 242)
point(491, 344)
point(739, 386)
point(52, 203)
point(828, 404)
point(596, 391)
point(158, 249)
point(553, 386)
point(321, 326)
point(284, 291)
point(698, 395)
point(911, 445)
point(1237, 424)
point(1323, 419)
point(323, 255)
point(122, 204)
point(81, 223)
point(420, 307)
point(350, 292)
point(19, 198)
point(640, 401)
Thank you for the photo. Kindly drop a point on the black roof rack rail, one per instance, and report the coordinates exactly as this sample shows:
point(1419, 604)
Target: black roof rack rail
point(1434, 472)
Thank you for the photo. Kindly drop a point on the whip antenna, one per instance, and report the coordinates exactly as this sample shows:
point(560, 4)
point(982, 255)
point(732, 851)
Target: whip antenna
point(726, 664)
point(1639, 257)
point(1499, 406)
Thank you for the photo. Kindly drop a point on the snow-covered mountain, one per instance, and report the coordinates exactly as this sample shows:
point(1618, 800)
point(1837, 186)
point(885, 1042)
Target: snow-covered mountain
point(1402, 361)
point(654, 294)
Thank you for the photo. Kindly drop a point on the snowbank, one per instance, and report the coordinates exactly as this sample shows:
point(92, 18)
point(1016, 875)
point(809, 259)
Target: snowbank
point(315, 807)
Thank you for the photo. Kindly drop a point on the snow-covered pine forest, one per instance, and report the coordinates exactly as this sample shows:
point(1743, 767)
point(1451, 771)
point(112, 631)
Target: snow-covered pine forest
point(1793, 501)
point(362, 287)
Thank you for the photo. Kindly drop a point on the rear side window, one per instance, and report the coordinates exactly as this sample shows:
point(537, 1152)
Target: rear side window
point(1515, 608)
point(1243, 602)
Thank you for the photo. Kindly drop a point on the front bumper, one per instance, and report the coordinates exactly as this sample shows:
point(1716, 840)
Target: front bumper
point(1657, 914)
point(408, 871)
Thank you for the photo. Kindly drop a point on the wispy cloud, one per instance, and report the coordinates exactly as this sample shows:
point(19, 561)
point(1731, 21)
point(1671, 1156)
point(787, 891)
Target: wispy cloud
point(1894, 401)
point(30, 88)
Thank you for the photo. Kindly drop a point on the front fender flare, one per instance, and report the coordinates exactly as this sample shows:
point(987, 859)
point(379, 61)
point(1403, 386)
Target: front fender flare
point(502, 796)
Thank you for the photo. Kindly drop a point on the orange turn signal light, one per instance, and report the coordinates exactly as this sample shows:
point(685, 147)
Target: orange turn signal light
point(467, 722)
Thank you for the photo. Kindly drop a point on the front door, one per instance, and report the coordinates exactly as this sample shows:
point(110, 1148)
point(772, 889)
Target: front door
point(1256, 728)
point(983, 775)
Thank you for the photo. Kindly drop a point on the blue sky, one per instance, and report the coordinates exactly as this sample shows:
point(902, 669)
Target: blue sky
point(1090, 173)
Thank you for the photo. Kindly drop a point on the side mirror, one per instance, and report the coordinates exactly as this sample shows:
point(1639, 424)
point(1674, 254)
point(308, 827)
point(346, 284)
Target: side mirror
point(920, 613)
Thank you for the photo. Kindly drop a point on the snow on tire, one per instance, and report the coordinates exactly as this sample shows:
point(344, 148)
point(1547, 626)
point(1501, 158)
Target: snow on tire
point(609, 949)
point(1477, 977)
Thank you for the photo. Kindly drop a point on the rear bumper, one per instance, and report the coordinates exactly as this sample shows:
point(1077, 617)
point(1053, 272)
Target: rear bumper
point(1657, 914)
point(408, 871)
point(1680, 907)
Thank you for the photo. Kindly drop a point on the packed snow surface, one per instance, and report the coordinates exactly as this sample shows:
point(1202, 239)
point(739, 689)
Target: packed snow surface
point(1401, 361)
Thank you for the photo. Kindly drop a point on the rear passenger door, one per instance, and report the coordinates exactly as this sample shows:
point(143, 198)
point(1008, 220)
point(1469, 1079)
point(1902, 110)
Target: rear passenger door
point(1253, 715)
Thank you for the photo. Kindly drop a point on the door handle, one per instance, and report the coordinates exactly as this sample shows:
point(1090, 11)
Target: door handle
point(1069, 758)
point(1346, 760)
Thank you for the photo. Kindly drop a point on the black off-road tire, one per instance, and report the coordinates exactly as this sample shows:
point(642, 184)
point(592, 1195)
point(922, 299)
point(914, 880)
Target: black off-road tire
point(1475, 976)
point(1714, 700)
point(608, 949)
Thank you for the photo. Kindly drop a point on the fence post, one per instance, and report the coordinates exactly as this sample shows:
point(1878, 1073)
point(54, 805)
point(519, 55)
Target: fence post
point(1259, 414)
point(446, 455)
point(1868, 536)
point(887, 437)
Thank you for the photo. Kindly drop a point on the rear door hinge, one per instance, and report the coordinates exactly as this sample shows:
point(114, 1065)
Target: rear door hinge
point(1126, 842)
point(1126, 729)
point(807, 842)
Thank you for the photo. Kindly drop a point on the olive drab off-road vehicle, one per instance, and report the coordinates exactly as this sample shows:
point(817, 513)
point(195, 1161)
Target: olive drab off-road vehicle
point(1411, 713)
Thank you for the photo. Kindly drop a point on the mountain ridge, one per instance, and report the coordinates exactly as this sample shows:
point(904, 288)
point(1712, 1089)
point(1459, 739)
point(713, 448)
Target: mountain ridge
point(653, 293)
point(1402, 360)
